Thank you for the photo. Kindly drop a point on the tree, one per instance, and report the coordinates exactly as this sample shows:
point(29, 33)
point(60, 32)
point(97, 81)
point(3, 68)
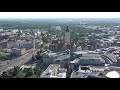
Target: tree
point(32, 76)
point(34, 58)
point(10, 72)
point(46, 47)
point(41, 50)
point(20, 75)
point(29, 72)
point(37, 71)
point(5, 75)
point(16, 71)
point(37, 56)
point(45, 39)
point(38, 52)
point(41, 45)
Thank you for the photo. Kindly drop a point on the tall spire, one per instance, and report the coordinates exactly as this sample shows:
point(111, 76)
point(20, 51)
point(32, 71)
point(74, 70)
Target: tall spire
point(67, 35)
point(67, 28)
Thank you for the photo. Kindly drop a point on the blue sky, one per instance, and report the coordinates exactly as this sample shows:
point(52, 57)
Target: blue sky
point(59, 14)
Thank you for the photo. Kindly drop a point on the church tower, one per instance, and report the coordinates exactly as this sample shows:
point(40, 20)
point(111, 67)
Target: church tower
point(67, 35)
point(33, 42)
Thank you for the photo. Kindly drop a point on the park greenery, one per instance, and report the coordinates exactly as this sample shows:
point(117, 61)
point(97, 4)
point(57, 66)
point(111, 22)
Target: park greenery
point(47, 23)
point(38, 57)
point(5, 54)
point(17, 72)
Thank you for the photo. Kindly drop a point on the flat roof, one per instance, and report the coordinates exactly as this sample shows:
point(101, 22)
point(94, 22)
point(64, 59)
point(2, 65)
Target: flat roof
point(63, 57)
point(81, 52)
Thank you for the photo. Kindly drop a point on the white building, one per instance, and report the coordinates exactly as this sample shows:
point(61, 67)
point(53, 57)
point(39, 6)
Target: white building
point(54, 71)
point(111, 32)
point(1, 29)
point(55, 28)
point(14, 31)
point(58, 28)
point(118, 32)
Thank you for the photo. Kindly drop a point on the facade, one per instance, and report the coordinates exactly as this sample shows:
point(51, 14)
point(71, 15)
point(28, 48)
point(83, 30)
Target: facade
point(3, 44)
point(18, 51)
point(11, 44)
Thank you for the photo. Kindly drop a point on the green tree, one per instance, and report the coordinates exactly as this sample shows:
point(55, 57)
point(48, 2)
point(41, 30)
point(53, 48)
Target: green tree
point(46, 47)
point(34, 58)
point(5, 75)
point(16, 71)
point(38, 56)
point(29, 72)
point(38, 52)
point(20, 75)
point(32, 76)
point(37, 71)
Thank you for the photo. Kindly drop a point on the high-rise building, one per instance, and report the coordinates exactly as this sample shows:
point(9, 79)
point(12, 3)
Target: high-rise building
point(67, 35)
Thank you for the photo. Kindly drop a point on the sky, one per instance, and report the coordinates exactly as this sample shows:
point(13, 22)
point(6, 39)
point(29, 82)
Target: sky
point(59, 14)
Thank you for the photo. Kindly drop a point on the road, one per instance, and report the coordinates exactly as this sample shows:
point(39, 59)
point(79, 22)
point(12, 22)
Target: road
point(17, 62)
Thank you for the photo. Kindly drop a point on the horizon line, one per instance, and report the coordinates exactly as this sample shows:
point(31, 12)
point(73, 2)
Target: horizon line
point(58, 17)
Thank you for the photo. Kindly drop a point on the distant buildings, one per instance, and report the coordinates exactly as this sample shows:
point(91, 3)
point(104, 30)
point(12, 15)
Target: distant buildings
point(55, 28)
point(20, 41)
point(64, 43)
point(23, 47)
point(3, 44)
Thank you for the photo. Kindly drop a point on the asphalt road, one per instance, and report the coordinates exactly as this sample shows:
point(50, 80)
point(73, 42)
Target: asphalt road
point(16, 62)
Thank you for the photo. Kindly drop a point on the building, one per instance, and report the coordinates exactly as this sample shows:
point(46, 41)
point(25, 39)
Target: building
point(11, 43)
point(67, 35)
point(55, 28)
point(3, 44)
point(49, 57)
point(111, 33)
point(18, 51)
point(23, 46)
point(91, 61)
point(87, 59)
point(54, 71)
point(87, 72)
point(58, 44)
point(62, 60)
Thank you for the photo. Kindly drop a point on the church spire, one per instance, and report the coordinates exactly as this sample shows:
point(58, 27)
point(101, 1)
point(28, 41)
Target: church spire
point(67, 35)
point(67, 28)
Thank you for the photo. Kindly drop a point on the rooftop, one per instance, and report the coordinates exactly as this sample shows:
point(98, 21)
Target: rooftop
point(54, 71)
point(63, 57)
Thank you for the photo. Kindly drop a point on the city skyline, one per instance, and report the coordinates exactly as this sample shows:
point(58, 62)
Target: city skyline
point(59, 14)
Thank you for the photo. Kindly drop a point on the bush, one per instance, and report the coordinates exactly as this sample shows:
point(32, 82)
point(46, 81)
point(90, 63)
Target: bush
point(4, 50)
